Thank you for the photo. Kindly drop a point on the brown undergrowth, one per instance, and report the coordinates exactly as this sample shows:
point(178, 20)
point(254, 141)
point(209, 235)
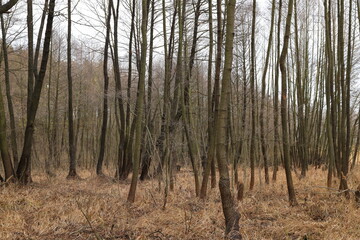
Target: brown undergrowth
point(96, 208)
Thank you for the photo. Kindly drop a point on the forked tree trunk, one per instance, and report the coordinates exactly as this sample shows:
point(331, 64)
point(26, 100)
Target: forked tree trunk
point(23, 171)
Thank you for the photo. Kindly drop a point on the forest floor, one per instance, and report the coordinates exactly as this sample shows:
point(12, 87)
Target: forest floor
point(96, 208)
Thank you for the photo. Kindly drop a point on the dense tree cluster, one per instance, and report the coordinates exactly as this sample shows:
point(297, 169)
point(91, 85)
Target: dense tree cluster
point(163, 84)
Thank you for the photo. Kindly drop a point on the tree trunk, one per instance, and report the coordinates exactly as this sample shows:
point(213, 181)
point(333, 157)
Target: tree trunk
point(139, 105)
point(8, 95)
point(72, 147)
point(23, 171)
point(276, 100)
point(106, 87)
point(284, 120)
point(231, 214)
point(252, 90)
point(263, 91)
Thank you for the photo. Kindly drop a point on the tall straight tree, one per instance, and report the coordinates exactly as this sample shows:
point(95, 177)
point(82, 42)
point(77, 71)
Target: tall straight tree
point(23, 171)
point(106, 88)
point(276, 99)
point(139, 104)
point(284, 110)
point(252, 89)
point(302, 149)
point(146, 160)
point(187, 118)
point(263, 91)
point(72, 145)
point(211, 139)
point(328, 84)
point(231, 214)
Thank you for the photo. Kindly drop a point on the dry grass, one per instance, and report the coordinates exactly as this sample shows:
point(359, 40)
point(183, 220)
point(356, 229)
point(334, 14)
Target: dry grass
point(52, 209)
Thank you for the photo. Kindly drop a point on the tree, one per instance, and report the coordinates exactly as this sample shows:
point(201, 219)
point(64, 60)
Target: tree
point(276, 99)
point(72, 146)
point(284, 121)
point(106, 89)
point(263, 91)
point(139, 104)
point(211, 139)
point(252, 90)
point(231, 215)
point(23, 170)
point(8, 94)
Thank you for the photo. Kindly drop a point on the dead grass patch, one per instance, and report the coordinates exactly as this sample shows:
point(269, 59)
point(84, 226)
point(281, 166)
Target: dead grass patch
point(51, 208)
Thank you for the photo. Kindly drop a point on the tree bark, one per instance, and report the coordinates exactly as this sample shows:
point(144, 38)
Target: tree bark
point(23, 171)
point(139, 105)
point(252, 90)
point(106, 88)
point(231, 214)
point(72, 146)
point(263, 91)
point(284, 117)
point(8, 95)
point(4, 8)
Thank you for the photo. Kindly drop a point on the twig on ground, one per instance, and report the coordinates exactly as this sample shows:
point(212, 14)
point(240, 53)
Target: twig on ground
point(88, 220)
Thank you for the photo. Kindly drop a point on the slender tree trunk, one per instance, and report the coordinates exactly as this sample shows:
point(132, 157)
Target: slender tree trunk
point(106, 88)
point(211, 139)
point(149, 124)
point(263, 91)
point(216, 91)
point(187, 118)
point(284, 117)
point(252, 89)
point(8, 95)
point(231, 214)
point(139, 105)
point(276, 99)
point(72, 146)
point(23, 171)
point(300, 102)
